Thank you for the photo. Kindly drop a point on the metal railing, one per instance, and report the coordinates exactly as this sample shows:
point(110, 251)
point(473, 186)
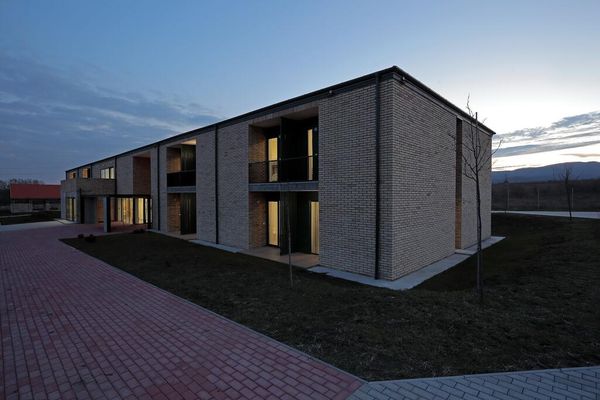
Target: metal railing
point(181, 178)
point(295, 169)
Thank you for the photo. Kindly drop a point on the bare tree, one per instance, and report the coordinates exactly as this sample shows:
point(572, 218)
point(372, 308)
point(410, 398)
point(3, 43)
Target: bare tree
point(507, 185)
point(476, 155)
point(289, 238)
point(566, 176)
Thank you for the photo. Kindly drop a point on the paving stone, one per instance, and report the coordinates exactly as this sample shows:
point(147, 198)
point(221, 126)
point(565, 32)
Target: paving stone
point(540, 385)
point(69, 322)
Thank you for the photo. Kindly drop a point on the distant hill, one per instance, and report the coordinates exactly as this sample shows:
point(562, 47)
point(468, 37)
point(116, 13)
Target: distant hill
point(581, 170)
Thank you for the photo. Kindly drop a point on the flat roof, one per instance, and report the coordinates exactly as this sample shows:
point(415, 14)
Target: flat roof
point(386, 73)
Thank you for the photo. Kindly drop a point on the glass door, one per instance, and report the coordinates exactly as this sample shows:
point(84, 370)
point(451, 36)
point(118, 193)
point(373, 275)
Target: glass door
point(273, 223)
point(125, 210)
point(314, 227)
point(188, 213)
point(141, 211)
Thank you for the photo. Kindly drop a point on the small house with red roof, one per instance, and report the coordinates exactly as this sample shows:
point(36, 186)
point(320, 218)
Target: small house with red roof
point(26, 197)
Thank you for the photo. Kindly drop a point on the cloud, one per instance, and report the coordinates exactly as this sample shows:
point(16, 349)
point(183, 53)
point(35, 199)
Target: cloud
point(568, 133)
point(51, 120)
point(588, 155)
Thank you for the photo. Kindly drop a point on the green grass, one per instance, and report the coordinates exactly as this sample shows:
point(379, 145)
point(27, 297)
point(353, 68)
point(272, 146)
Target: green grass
point(26, 218)
point(541, 305)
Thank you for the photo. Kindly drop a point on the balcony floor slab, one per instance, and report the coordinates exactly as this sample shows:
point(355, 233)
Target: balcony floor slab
point(301, 260)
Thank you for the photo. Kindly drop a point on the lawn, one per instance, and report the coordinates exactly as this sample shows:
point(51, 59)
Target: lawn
point(26, 218)
point(541, 310)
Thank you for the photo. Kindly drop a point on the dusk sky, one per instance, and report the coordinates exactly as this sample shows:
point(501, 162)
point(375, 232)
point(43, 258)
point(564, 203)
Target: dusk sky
point(82, 80)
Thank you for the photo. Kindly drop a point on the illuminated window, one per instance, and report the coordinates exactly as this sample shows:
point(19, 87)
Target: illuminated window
point(273, 218)
point(86, 173)
point(310, 153)
point(71, 210)
point(273, 164)
point(72, 175)
point(107, 173)
point(314, 227)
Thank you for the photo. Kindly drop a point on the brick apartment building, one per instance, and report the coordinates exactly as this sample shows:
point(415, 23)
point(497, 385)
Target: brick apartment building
point(367, 169)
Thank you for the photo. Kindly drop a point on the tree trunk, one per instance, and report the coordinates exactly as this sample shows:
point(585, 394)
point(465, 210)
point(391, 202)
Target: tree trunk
point(479, 258)
point(289, 235)
point(568, 201)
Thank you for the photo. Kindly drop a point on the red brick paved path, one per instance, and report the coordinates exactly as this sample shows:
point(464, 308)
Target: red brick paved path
point(75, 327)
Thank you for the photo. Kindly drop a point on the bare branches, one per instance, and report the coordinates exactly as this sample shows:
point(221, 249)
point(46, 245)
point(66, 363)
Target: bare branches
point(478, 154)
point(474, 147)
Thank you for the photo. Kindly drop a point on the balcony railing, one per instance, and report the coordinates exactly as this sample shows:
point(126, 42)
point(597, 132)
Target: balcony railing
point(296, 169)
point(181, 178)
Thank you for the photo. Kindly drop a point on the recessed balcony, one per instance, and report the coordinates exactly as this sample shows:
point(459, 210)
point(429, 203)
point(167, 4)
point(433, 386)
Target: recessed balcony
point(295, 169)
point(181, 178)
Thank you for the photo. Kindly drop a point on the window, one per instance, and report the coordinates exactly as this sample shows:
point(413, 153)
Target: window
point(107, 173)
point(310, 152)
point(72, 175)
point(125, 210)
point(273, 221)
point(71, 211)
point(86, 173)
point(272, 144)
point(314, 227)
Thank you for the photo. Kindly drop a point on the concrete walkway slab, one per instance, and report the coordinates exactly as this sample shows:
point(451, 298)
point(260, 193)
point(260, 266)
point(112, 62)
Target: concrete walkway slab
point(415, 278)
point(301, 260)
point(30, 225)
point(550, 384)
point(563, 214)
point(74, 327)
point(228, 249)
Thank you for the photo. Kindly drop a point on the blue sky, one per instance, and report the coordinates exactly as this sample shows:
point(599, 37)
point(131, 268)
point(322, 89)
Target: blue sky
point(81, 80)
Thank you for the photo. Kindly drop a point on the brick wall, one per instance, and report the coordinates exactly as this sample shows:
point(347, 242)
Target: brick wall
point(124, 175)
point(423, 182)
point(63, 202)
point(173, 159)
point(347, 181)
point(205, 186)
point(141, 175)
point(469, 204)
point(88, 187)
point(389, 139)
point(173, 213)
point(258, 219)
point(162, 190)
point(257, 153)
point(154, 185)
point(233, 185)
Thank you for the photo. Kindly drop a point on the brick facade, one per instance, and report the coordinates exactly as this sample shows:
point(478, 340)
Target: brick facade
point(347, 181)
point(469, 205)
point(154, 190)
point(141, 175)
point(423, 181)
point(173, 206)
point(258, 220)
point(233, 185)
point(205, 184)
point(161, 201)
